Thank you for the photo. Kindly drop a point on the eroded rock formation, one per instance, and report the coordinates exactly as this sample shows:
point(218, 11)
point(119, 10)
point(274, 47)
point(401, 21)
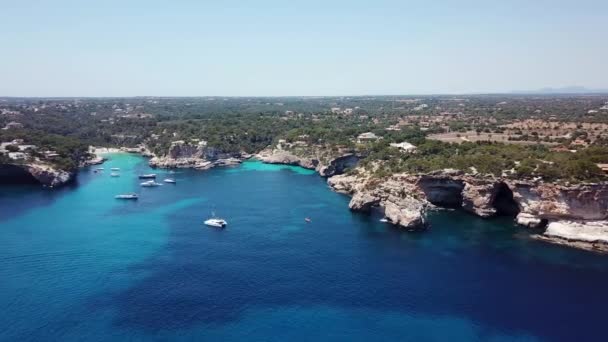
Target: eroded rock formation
point(34, 173)
point(573, 214)
point(197, 155)
point(314, 158)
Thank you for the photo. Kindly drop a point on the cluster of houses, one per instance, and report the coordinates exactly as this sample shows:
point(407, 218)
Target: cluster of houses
point(22, 150)
point(345, 111)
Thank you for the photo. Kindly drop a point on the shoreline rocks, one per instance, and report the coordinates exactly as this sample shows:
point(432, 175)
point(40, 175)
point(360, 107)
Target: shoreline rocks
point(49, 176)
point(569, 213)
point(575, 215)
point(96, 160)
point(400, 204)
point(40, 173)
point(588, 235)
point(325, 166)
point(198, 156)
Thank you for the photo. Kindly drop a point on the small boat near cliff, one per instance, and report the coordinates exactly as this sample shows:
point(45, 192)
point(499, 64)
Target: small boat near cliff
point(169, 180)
point(127, 197)
point(114, 174)
point(115, 169)
point(148, 176)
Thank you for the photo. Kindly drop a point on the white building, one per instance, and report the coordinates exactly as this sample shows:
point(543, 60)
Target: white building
point(17, 155)
point(368, 136)
point(404, 147)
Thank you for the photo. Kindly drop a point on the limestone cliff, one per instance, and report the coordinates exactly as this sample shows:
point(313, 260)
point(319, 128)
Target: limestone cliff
point(575, 214)
point(326, 162)
point(197, 155)
point(396, 196)
point(40, 173)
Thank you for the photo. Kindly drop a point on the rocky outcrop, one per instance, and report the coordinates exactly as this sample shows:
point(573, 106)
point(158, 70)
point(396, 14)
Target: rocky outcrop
point(50, 176)
point(363, 201)
point(40, 173)
point(338, 165)
point(478, 197)
point(94, 160)
point(560, 202)
point(279, 156)
point(400, 204)
point(589, 235)
point(199, 156)
point(573, 214)
point(405, 212)
point(530, 221)
point(311, 157)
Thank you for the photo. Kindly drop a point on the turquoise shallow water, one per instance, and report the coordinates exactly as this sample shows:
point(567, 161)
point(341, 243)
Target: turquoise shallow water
point(75, 264)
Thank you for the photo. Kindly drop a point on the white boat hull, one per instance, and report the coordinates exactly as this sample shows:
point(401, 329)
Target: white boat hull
point(216, 223)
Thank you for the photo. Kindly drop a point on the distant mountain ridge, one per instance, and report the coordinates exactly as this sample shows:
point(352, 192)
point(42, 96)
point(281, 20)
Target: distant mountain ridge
point(562, 90)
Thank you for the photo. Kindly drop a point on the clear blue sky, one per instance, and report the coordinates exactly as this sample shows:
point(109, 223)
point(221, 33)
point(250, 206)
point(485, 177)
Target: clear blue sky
point(258, 48)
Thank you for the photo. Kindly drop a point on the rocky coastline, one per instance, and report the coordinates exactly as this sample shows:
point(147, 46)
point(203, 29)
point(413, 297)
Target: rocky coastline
point(35, 172)
point(313, 159)
point(575, 215)
point(198, 155)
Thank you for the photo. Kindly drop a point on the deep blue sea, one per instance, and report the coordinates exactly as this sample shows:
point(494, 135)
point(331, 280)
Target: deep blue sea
point(78, 265)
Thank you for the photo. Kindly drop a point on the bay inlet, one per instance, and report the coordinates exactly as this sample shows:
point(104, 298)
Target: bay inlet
point(76, 264)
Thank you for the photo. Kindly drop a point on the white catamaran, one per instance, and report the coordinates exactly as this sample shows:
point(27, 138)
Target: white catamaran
point(216, 222)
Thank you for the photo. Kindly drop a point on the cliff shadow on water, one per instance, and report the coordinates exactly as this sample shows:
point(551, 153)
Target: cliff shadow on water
point(14, 174)
point(21, 192)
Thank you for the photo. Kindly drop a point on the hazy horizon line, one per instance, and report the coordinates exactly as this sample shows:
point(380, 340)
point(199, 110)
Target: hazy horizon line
point(526, 93)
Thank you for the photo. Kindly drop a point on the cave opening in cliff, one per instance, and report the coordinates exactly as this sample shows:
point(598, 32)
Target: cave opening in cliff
point(12, 174)
point(504, 203)
point(442, 193)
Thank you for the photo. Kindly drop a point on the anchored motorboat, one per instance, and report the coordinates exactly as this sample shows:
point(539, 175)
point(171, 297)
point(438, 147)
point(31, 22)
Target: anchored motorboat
point(115, 174)
point(127, 196)
point(115, 169)
point(169, 180)
point(150, 183)
point(148, 176)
